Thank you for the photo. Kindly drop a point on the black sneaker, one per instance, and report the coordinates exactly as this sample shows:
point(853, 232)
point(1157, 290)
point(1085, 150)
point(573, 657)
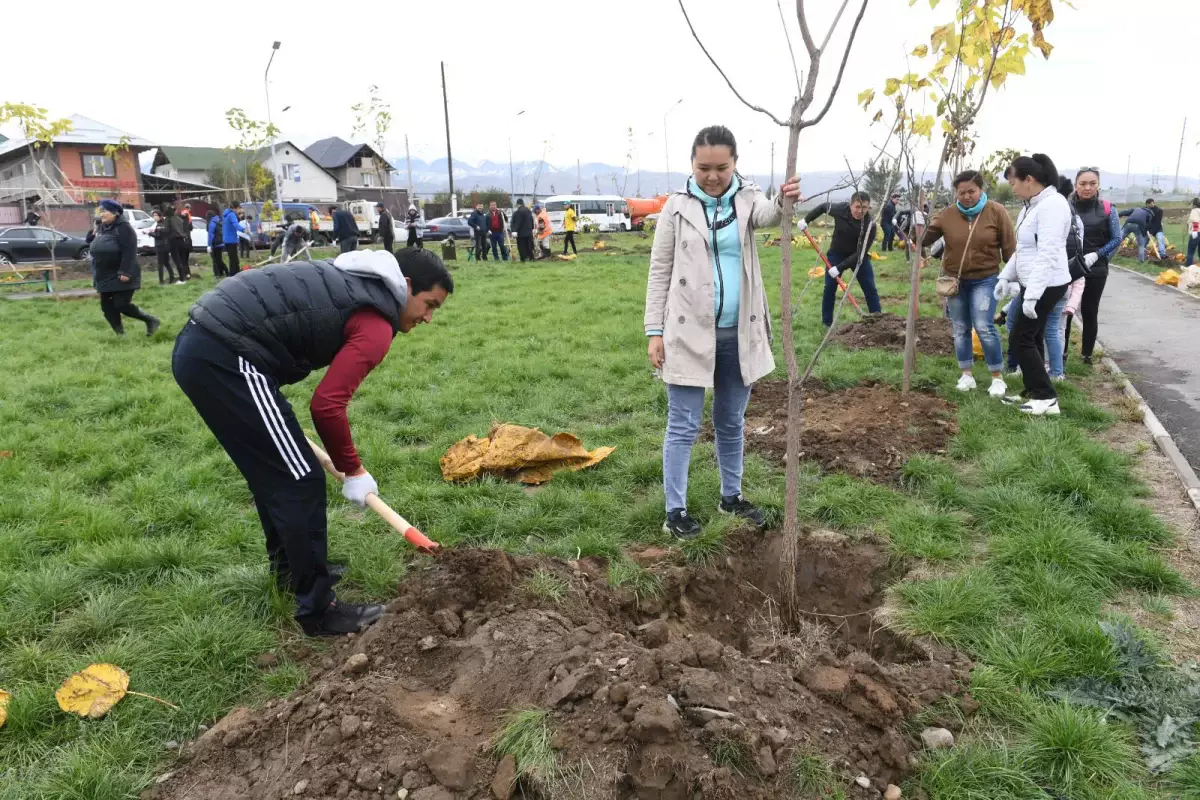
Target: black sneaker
point(1087, 360)
point(741, 507)
point(680, 525)
point(342, 618)
point(152, 325)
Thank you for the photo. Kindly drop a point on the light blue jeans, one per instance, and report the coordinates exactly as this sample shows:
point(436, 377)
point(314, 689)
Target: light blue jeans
point(1142, 237)
point(974, 307)
point(1162, 244)
point(685, 407)
point(1052, 344)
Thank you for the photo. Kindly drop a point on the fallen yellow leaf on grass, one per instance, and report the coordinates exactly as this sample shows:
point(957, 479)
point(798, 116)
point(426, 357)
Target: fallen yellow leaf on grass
point(1168, 277)
point(514, 451)
point(94, 690)
point(4, 698)
point(816, 272)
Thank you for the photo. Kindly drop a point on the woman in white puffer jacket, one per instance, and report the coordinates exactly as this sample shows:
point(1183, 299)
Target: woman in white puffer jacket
point(1038, 271)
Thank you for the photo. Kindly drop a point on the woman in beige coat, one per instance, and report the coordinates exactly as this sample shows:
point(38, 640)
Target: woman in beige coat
point(707, 318)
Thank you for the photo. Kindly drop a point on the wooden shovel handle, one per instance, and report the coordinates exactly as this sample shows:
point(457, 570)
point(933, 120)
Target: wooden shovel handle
point(409, 531)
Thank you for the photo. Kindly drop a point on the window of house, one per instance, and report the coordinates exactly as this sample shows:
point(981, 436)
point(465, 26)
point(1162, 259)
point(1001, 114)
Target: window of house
point(356, 162)
point(368, 179)
point(291, 172)
point(8, 173)
point(98, 165)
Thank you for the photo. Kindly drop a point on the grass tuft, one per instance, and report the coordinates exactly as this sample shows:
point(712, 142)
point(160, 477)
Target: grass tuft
point(811, 776)
point(977, 771)
point(1070, 748)
point(525, 735)
point(546, 586)
point(957, 610)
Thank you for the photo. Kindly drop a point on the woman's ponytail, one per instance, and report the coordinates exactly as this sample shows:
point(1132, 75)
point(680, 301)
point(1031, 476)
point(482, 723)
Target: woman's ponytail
point(1038, 166)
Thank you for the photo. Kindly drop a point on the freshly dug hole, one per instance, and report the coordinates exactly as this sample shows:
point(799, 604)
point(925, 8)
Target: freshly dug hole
point(886, 331)
point(702, 686)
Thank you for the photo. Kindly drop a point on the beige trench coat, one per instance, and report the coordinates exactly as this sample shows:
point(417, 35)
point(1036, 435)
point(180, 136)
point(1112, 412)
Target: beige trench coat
point(680, 291)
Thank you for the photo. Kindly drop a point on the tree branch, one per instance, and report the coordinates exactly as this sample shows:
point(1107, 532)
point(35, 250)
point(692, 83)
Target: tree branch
point(728, 83)
point(791, 50)
point(809, 44)
point(836, 20)
point(841, 69)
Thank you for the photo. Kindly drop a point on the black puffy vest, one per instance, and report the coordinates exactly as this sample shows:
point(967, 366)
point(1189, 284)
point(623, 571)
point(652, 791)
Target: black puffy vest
point(1096, 231)
point(287, 320)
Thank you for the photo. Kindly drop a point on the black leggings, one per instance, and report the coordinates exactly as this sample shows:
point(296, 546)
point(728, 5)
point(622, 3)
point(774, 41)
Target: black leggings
point(164, 262)
point(179, 254)
point(1026, 339)
point(1089, 306)
point(569, 239)
point(116, 304)
point(217, 261)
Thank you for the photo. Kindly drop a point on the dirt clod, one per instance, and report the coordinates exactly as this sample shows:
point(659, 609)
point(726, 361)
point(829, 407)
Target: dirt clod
point(355, 664)
point(643, 719)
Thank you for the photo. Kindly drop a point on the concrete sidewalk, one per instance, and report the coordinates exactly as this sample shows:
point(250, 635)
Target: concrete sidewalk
point(1151, 333)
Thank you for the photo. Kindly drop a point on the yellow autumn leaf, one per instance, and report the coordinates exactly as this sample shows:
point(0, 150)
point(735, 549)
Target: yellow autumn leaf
point(922, 125)
point(1039, 41)
point(891, 86)
point(920, 51)
point(878, 116)
point(941, 35)
point(865, 97)
point(4, 698)
point(93, 691)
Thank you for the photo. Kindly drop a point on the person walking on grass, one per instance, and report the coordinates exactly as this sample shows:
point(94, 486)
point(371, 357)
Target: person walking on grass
point(1193, 232)
point(116, 273)
point(1037, 272)
point(887, 219)
point(707, 320)
point(244, 226)
point(478, 223)
point(345, 229)
point(545, 231)
point(236, 351)
point(979, 238)
point(522, 228)
point(569, 217)
point(412, 221)
point(215, 245)
point(162, 248)
point(230, 228)
point(497, 226)
point(179, 241)
point(851, 224)
point(387, 229)
point(1101, 239)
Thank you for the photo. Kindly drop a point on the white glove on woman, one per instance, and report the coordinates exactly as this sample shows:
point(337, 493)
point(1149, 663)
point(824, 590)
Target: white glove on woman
point(834, 272)
point(1003, 289)
point(801, 225)
point(1090, 259)
point(356, 488)
point(1195, 234)
point(1029, 308)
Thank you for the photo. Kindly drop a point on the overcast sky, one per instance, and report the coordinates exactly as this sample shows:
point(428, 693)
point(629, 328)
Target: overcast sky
point(584, 73)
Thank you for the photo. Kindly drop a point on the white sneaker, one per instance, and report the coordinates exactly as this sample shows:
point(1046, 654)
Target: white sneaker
point(178, 283)
point(1059, 378)
point(966, 383)
point(998, 387)
point(1038, 408)
point(1016, 372)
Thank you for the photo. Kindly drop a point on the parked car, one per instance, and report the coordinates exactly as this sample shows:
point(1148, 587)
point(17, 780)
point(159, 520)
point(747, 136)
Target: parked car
point(448, 228)
point(22, 244)
point(199, 235)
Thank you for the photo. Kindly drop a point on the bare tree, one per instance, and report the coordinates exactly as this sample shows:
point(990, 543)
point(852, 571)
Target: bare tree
point(795, 123)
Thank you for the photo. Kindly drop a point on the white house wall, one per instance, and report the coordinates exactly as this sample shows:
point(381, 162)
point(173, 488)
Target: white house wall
point(315, 185)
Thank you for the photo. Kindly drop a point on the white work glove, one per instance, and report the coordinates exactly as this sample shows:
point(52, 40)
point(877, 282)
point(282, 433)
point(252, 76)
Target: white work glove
point(802, 225)
point(356, 488)
point(1002, 290)
point(834, 272)
point(1029, 308)
point(1195, 234)
point(1090, 259)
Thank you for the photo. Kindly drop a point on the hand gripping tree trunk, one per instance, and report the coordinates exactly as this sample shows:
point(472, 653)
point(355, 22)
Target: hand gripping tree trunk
point(795, 123)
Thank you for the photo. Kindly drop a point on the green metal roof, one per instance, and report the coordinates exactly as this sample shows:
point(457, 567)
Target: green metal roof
point(197, 158)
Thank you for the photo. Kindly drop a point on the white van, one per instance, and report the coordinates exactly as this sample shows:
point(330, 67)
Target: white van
point(602, 212)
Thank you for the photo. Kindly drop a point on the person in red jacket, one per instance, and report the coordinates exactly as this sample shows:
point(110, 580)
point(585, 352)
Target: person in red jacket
point(236, 351)
point(497, 227)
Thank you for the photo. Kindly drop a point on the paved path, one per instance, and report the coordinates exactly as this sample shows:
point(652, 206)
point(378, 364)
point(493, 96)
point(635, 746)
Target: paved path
point(1153, 333)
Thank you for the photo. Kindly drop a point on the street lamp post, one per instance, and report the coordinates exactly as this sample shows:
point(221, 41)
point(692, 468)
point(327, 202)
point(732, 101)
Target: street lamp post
point(274, 163)
point(512, 181)
point(666, 143)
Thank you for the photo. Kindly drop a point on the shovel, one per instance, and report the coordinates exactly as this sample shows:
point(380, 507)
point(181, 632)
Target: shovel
point(414, 536)
point(841, 283)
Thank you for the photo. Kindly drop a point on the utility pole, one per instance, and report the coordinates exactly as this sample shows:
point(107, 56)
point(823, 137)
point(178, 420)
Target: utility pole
point(408, 162)
point(449, 155)
point(1128, 162)
point(666, 142)
point(1179, 160)
point(578, 178)
point(274, 164)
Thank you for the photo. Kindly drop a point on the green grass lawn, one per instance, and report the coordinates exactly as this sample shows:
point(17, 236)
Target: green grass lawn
point(127, 536)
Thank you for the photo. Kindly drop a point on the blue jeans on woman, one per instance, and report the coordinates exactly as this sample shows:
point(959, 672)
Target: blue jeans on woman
point(1193, 249)
point(685, 407)
point(1052, 346)
point(864, 276)
point(974, 307)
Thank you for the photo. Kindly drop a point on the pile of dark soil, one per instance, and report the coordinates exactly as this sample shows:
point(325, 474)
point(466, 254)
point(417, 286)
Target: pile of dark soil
point(695, 690)
point(869, 431)
point(886, 331)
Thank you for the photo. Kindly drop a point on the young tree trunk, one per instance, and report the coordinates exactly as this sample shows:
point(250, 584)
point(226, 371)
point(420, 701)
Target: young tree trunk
point(791, 514)
point(910, 327)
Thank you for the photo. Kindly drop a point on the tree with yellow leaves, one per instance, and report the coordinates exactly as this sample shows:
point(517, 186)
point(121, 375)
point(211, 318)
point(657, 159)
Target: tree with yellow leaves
point(39, 132)
point(977, 51)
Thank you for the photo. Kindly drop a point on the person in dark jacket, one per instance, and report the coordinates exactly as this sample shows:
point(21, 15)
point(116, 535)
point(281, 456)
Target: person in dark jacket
point(116, 271)
point(230, 227)
point(162, 247)
point(236, 351)
point(851, 225)
point(345, 229)
point(1138, 223)
point(522, 228)
point(412, 221)
point(478, 223)
point(215, 246)
point(1155, 228)
point(496, 226)
point(886, 220)
point(179, 240)
point(387, 230)
point(1101, 238)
